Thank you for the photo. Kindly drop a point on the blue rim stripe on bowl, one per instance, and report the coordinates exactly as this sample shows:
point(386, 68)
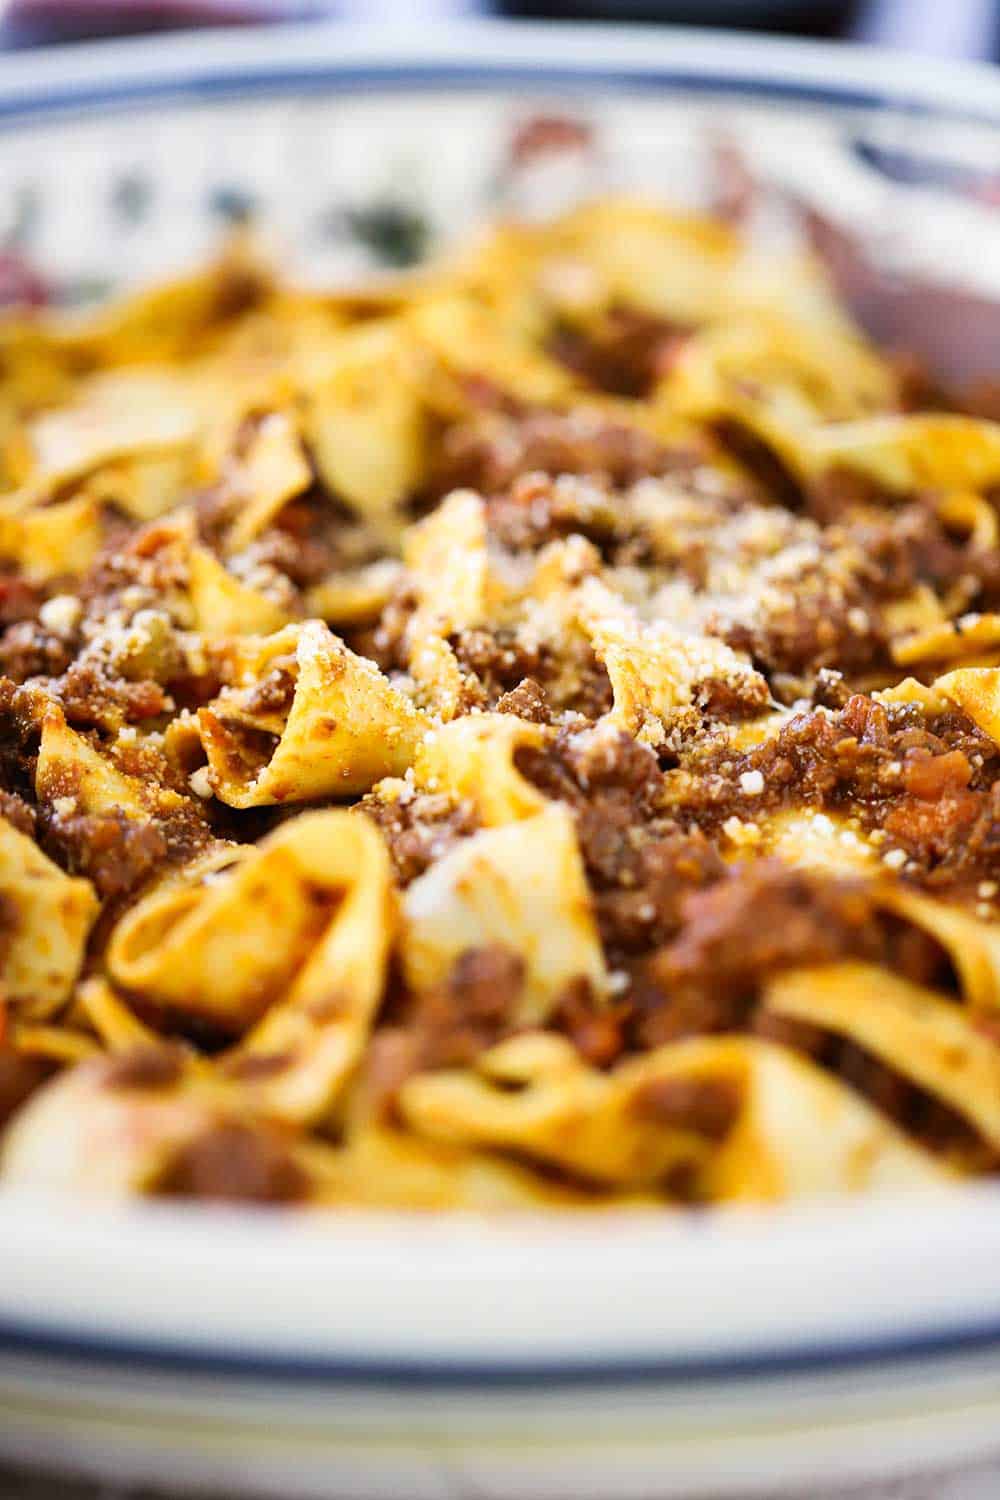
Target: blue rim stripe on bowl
point(349, 78)
point(78, 1347)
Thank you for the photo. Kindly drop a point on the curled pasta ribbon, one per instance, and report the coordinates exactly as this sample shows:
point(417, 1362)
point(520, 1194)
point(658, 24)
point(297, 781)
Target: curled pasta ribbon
point(826, 842)
point(473, 758)
point(295, 1062)
point(448, 564)
point(166, 321)
point(215, 602)
point(365, 424)
point(970, 638)
point(655, 669)
point(272, 471)
point(803, 1133)
point(47, 918)
point(775, 376)
point(971, 515)
point(140, 424)
point(383, 1168)
point(69, 765)
point(911, 616)
point(936, 452)
point(600, 256)
point(462, 339)
point(116, 1126)
point(52, 541)
point(535, 1095)
point(223, 605)
point(85, 1132)
point(115, 1129)
point(663, 263)
point(345, 727)
point(110, 1017)
point(522, 885)
point(910, 690)
point(972, 945)
point(927, 1039)
point(355, 596)
point(202, 949)
point(454, 576)
point(54, 1043)
point(976, 691)
point(434, 668)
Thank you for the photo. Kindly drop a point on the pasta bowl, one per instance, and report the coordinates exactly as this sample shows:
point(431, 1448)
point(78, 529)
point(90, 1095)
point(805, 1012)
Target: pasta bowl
point(808, 1350)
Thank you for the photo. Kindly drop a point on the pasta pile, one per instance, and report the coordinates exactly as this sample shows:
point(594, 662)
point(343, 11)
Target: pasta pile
point(522, 735)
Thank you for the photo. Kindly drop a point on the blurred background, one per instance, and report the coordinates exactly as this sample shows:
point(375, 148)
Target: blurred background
point(945, 28)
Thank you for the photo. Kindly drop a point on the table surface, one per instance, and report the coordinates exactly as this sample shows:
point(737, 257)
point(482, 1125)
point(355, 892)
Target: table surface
point(18, 1485)
point(977, 1484)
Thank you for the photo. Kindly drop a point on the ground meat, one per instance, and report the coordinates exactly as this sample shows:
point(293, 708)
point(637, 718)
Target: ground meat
point(572, 678)
point(145, 560)
point(830, 689)
point(19, 599)
point(576, 767)
point(538, 508)
point(390, 1060)
point(906, 546)
point(20, 814)
point(949, 832)
point(419, 828)
point(839, 490)
point(236, 1163)
point(981, 399)
point(314, 536)
point(21, 710)
point(239, 288)
point(472, 1011)
point(248, 750)
point(20, 1076)
point(625, 354)
point(145, 1066)
point(596, 1027)
point(115, 852)
point(929, 784)
point(639, 861)
point(762, 464)
point(488, 452)
point(27, 650)
point(386, 644)
point(94, 696)
point(707, 1106)
point(818, 627)
point(733, 698)
point(498, 658)
point(918, 389)
point(273, 694)
point(527, 701)
point(763, 917)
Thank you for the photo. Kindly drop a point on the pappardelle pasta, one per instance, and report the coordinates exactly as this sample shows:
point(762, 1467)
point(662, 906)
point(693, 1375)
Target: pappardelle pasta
point(522, 735)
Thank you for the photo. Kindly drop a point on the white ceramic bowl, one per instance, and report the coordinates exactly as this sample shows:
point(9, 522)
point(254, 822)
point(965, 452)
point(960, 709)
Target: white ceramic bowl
point(618, 1357)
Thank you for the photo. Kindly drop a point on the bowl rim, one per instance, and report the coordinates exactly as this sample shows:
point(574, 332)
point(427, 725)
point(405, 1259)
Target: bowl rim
point(229, 59)
point(457, 1301)
point(740, 1294)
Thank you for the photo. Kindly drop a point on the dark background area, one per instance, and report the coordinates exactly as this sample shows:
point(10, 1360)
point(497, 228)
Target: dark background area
point(823, 18)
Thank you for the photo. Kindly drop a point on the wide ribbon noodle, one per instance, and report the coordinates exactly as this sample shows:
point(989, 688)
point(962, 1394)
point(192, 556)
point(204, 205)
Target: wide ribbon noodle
point(521, 735)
